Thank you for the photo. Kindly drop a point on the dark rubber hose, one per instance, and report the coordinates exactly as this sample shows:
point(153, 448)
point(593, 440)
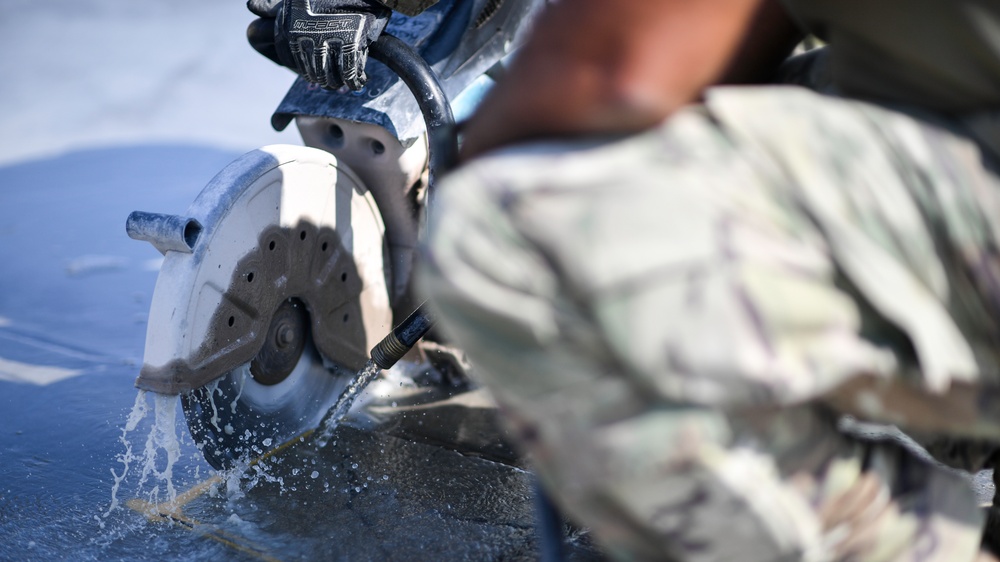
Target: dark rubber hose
point(418, 76)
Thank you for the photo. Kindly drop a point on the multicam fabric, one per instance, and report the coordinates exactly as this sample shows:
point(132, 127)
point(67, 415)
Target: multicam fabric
point(672, 321)
point(935, 54)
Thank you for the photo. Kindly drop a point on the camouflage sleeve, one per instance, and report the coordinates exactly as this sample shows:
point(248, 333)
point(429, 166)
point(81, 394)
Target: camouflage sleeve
point(408, 7)
point(746, 260)
point(660, 315)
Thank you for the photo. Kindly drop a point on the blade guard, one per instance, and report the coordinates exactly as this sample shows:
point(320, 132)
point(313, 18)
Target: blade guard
point(280, 222)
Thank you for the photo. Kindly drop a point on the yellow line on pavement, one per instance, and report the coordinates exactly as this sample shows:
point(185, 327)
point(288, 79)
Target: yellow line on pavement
point(173, 511)
point(165, 512)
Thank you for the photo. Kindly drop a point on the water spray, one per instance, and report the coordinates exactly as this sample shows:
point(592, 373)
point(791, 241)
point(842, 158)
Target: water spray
point(384, 355)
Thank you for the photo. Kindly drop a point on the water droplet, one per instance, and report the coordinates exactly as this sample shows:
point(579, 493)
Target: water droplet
point(315, 474)
point(357, 488)
point(267, 442)
point(354, 465)
point(385, 477)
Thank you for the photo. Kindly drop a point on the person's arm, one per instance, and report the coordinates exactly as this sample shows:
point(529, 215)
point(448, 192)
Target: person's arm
point(596, 67)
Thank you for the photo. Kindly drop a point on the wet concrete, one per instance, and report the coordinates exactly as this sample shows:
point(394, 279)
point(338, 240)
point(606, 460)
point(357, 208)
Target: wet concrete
point(372, 496)
point(419, 471)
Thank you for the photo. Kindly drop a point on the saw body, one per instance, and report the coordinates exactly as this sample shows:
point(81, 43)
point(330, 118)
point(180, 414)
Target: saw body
point(294, 261)
point(284, 287)
point(292, 225)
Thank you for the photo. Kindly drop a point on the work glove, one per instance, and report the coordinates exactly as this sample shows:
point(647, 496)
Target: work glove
point(326, 41)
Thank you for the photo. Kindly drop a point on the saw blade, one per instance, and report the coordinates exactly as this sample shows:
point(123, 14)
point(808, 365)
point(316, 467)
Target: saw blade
point(236, 418)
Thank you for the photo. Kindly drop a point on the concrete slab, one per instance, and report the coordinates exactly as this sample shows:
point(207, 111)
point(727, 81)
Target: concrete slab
point(370, 496)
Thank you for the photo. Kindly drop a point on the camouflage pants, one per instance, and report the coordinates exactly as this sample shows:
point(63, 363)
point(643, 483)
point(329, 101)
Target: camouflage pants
point(673, 322)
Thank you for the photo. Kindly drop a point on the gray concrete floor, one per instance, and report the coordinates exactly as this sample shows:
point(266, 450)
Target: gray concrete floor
point(382, 492)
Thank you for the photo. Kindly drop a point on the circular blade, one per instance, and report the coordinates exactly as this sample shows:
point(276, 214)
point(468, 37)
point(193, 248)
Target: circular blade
point(237, 418)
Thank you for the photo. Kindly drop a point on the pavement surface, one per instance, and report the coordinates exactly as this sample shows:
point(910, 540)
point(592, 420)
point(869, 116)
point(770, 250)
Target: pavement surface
point(422, 474)
point(112, 73)
point(369, 496)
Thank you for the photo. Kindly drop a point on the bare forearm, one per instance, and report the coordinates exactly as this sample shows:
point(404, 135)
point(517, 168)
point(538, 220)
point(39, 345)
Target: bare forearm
point(593, 66)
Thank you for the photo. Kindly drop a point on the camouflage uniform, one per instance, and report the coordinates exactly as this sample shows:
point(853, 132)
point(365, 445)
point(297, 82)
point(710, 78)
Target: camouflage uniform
point(674, 321)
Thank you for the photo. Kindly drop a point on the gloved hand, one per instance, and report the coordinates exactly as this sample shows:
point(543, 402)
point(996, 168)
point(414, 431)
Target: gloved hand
point(326, 41)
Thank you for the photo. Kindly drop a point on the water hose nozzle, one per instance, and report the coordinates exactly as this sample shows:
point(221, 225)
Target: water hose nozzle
point(401, 339)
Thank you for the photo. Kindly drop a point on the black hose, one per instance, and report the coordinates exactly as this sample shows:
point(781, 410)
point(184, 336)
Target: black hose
point(442, 139)
point(418, 76)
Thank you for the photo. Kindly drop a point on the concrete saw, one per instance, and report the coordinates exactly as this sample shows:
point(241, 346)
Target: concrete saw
point(272, 289)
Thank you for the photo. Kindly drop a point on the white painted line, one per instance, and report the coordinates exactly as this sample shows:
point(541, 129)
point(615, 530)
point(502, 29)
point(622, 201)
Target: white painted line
point(85, 265)
point(26, 373)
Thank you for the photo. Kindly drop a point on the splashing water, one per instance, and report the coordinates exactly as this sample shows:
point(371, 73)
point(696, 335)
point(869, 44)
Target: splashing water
point(343, 405)
point(162, 438)
point(162, 446)
point(139, 410)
